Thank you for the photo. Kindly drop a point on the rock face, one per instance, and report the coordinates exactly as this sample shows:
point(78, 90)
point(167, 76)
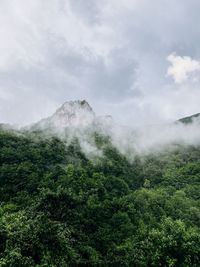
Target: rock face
point(73, 114)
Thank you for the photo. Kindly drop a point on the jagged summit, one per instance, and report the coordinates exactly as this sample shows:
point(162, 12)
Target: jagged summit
point(72, 107)
point(71, 114)
point(77, 103)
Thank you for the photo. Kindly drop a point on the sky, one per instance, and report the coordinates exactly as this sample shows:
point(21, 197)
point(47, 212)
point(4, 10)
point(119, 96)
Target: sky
point(137, 60)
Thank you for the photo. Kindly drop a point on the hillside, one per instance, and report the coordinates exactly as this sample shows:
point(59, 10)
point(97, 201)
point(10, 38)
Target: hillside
point(60, 207)
point(190, 119)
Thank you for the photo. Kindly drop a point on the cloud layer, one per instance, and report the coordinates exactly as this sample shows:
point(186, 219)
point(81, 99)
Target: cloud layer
point(112, 53)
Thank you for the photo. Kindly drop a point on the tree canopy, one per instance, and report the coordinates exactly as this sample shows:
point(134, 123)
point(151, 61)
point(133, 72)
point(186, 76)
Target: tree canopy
point(59, 208)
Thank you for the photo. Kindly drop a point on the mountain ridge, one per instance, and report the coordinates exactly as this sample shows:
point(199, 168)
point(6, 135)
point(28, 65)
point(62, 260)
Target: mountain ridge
point(79, 113)
point(189, 119)
point(76, 114)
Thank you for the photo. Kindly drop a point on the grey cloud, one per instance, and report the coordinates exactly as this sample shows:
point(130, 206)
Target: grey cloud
point(113, 53)
point(88, 10)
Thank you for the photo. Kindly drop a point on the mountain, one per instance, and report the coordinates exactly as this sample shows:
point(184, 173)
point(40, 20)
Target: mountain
point(79, 114)
point(73, 114)
point(190, 119)
point(70, 114)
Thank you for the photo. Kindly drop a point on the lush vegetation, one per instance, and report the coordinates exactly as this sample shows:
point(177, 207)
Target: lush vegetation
point(59, 208)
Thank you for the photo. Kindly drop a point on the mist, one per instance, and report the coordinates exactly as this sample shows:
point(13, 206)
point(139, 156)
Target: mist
point(155, 138)
point(130, 140)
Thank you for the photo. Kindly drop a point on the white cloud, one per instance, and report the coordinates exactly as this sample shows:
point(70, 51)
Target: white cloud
point(108, 52)
point(183, 68)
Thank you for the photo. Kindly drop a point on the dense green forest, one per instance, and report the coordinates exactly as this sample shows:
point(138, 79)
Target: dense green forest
point(58, 208)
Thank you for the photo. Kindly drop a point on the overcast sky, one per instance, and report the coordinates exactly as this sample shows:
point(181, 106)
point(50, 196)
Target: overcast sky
point(137, 60)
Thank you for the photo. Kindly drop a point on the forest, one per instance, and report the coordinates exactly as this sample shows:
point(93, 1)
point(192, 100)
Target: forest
point(59, 208)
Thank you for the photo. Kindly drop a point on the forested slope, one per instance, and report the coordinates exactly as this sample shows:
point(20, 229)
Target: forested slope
point(58, 208)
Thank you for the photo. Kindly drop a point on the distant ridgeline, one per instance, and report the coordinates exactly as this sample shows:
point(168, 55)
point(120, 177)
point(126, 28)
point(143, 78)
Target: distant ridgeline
point(190, 119)
point(60, 207)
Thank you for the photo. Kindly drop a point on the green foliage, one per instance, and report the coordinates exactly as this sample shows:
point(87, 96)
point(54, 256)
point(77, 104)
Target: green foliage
point(58, 208)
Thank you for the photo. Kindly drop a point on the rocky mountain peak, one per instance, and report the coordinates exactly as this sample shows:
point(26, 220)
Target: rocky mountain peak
point(74, 107)
point(71, 114)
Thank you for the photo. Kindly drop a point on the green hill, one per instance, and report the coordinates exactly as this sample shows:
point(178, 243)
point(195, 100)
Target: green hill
point(58, 208)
